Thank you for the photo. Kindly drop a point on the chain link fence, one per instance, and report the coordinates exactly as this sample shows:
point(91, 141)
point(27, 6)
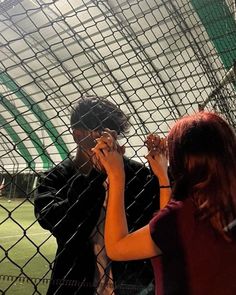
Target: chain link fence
point(156, 59)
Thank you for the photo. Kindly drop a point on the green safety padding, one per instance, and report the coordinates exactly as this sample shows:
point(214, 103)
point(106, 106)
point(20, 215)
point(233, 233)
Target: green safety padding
point(220, 25)
point(17, 141)
point(38, 112)
point(47, 162)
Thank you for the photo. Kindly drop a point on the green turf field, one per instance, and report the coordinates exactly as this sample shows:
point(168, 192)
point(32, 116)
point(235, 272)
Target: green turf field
point(25, 249)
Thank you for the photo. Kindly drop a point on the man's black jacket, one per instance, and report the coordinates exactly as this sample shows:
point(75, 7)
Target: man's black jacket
point(68, 204)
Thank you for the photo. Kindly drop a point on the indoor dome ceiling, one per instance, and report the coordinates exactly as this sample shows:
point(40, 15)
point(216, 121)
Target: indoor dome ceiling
point(157, 60)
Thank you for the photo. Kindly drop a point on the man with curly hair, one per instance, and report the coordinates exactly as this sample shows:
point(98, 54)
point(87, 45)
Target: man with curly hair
point(71, 202)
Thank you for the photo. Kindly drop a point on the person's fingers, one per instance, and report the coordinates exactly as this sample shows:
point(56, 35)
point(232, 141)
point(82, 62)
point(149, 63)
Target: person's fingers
point(113, 133)
point(101, 150)
point(152, 141)
point(95, 151)
point(163, 146)
point(101, 145)
point(156, 144)
point(155, 141)
point(105, 152)
point(99, 154)
point(108, 139)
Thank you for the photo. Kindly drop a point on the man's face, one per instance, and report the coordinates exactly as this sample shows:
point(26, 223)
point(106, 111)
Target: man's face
point(85, 139)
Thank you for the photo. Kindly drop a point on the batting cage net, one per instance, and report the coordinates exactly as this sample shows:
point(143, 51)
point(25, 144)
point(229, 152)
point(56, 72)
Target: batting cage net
point(156, 60)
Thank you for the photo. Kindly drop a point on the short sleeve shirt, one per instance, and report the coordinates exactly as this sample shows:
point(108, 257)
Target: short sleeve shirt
point(195, 259)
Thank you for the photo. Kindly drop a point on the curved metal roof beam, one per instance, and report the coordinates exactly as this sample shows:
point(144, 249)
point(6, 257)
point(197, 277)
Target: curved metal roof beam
point(17, 142)
point(38, 113)
point(47, 161)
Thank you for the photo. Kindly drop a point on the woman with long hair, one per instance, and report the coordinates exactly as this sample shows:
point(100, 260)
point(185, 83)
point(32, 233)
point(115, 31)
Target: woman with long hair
point(191, 240)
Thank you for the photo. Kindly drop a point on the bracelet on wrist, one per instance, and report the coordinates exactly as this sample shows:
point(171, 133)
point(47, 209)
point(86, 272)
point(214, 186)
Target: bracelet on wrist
point(165, 186)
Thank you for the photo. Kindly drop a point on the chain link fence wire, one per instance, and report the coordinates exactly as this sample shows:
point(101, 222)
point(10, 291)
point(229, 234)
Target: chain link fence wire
point(157, 60)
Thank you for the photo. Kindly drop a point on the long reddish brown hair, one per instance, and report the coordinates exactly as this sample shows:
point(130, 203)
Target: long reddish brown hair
point(202, 157)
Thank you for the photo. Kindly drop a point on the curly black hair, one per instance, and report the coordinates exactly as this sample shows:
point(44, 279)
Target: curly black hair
point(98, 113)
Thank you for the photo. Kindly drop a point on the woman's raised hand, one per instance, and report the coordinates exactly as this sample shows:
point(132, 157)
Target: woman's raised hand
point(109, 153)
point(158, 157)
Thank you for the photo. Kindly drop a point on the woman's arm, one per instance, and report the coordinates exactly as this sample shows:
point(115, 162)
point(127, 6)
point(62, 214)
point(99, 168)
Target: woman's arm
point(158, 165)
point(120, 245)
point(158, 160)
